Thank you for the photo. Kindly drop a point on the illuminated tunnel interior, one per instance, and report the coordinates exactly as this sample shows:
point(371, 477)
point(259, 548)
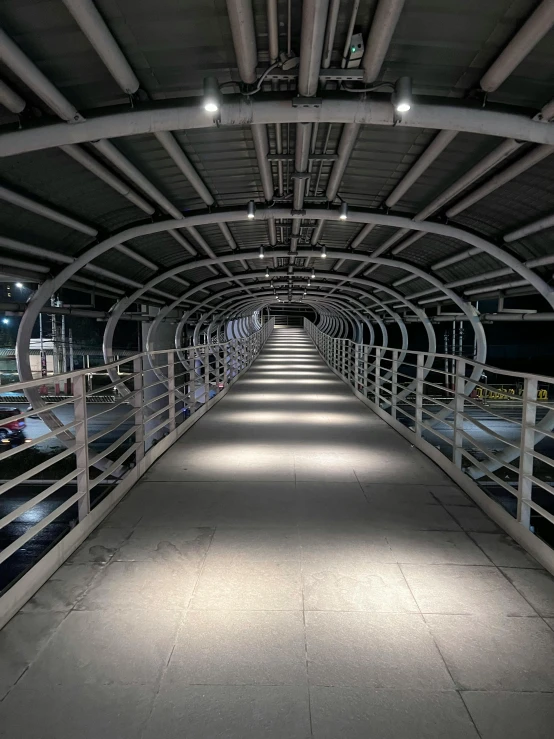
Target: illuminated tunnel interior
point(276, 387)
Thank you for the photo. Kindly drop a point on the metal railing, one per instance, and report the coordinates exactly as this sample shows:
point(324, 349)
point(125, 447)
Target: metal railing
point(79, 459)
point(492, 435)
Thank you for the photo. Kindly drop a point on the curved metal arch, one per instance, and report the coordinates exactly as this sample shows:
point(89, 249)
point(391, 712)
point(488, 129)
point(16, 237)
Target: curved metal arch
point(204, 218)
point(189, 114)
point(418, 312)
point(49, 286)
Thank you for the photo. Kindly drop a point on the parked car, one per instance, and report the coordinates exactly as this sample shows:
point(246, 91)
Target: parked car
point(12, 432)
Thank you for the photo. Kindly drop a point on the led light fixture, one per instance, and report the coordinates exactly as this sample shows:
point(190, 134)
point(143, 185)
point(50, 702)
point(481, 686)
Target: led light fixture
point(402, 97)
point(212, 95)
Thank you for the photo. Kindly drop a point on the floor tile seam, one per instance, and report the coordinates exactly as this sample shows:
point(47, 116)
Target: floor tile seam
point(199, 574)
point(452, 517)
point(158, 685)
point(435, 642)
point(313, 684)
point(522, 594)
point(506, 577)
point(40, 651)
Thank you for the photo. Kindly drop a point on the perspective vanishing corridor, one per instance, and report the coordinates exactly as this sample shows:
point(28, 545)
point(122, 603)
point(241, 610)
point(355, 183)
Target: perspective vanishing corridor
point(290, 568)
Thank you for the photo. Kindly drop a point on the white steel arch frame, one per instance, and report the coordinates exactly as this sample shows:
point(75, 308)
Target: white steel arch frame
point(267, 109)
point(51, 285)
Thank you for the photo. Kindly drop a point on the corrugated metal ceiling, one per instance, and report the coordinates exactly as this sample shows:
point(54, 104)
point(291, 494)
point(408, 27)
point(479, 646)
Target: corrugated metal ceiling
point(444, 45)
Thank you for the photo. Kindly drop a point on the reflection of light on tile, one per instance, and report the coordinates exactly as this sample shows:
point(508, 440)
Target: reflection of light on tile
point(294, 373)
point(292, 417)
point(294, 382)
point(272, 397)
point(289, 366)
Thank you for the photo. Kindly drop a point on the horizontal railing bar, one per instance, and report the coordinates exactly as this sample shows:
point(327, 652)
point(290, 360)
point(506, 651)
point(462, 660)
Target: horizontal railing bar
point(124, 400)
point(37, 528)
point(7, 486)
point(539, 509)
point(13, 515)
point(39, 439)
point(111, 427)
point(118, 462)
point(115, 445)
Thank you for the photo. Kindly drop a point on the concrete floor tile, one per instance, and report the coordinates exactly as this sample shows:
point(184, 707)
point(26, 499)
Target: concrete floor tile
point(464, 590)
point(64, 589)
point(373, 650)
point(188, 546)
point(450, 495)
point(378, 588)
point(21, 641)
point(256, 544)
point(125, 585)
point(399, 515)
point(504, 551)
point(230, 712)
point(240, 648)
point(389, 493)
point(403, 466)
point(331, 503)
point(244, 585)
point(512, 715)
point(496, 652)
point(384, 714)
point(74, 710)
point(435, 547)
point(340, 545)
point(536, 586)
point(105, 647)
point(472, 519)
point(100, 546)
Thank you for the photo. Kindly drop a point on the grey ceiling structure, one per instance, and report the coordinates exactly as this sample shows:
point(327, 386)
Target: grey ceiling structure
point(115, 179)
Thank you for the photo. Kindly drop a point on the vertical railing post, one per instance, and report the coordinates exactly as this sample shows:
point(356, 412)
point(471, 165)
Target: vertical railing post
point(365, 370)
point(419, 395)
point(81, 445)
point(138, 404)
point(226, 371)
point(217, 369)
point(527, 445)
point(206, 373)
point(377, 394)
point(459, 403)
point(357, 367)
point(394, 383)
point(171, 397)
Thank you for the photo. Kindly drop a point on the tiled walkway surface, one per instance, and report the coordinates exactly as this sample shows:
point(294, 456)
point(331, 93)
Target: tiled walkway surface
point(291, 568)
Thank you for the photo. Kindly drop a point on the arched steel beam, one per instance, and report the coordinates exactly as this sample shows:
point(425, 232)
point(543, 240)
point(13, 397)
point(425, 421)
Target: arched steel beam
point(51, 285)
point(267, 108)
point(235, 215)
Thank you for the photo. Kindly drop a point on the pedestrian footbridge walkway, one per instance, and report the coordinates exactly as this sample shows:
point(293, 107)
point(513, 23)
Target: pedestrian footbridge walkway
point(290, 568)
